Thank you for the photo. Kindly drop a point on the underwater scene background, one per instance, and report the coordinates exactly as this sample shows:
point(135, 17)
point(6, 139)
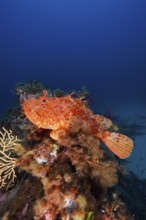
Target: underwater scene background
point(95, 49)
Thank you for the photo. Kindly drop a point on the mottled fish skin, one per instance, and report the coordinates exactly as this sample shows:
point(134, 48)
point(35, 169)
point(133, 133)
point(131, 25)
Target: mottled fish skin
point(63, 114)
point(54, 113)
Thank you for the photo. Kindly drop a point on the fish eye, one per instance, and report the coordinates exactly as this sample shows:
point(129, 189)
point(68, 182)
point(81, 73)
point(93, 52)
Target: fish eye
point(43, 100)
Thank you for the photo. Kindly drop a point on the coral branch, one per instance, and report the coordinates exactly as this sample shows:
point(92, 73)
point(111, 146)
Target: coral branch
point(8, 143)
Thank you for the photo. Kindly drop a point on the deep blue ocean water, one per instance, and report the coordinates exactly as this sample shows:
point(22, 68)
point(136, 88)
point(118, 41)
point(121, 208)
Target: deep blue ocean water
point(99, 44)
point(68, 44)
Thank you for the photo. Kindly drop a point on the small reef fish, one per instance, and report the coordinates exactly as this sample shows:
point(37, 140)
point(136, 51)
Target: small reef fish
point(67, 115)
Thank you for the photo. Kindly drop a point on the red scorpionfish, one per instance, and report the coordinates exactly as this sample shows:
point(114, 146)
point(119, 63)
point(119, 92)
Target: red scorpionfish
point(68, 115)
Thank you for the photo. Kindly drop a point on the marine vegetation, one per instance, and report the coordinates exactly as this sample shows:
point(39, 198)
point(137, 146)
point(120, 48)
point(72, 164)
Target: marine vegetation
point(63, 170)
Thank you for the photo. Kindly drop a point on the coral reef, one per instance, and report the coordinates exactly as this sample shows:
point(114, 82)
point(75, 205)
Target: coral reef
point(66, 178)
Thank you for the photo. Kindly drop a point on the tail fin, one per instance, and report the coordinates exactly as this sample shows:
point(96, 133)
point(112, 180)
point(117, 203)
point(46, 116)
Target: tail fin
point(119, 144)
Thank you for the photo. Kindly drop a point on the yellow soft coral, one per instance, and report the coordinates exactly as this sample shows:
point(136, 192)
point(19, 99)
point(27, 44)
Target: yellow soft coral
point(7, 163)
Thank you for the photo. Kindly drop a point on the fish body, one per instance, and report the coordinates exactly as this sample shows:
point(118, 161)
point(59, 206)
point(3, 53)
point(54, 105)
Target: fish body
point(64, 115)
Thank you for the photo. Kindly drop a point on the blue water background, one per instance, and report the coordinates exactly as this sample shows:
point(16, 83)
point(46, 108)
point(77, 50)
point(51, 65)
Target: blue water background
point(68, 44)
